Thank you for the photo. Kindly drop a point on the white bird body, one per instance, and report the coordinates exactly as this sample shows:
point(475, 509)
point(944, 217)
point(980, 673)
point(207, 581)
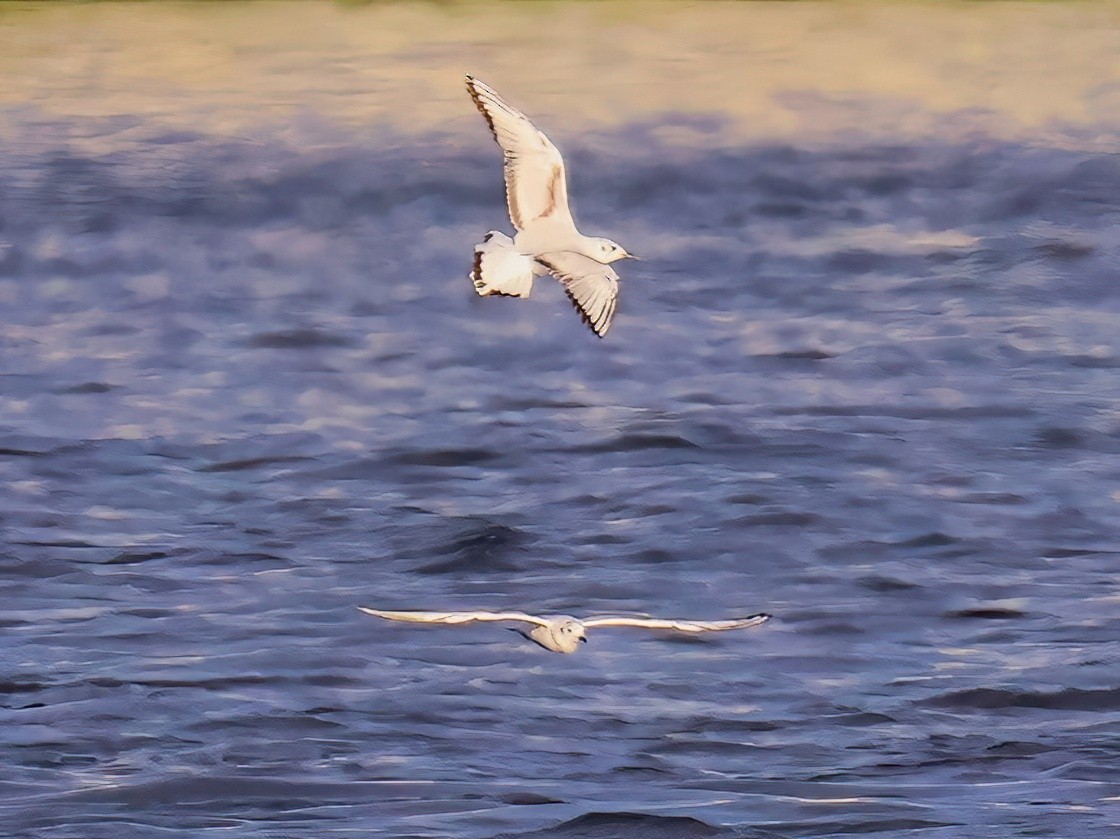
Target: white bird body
point(546, 240)
point(564, 633)
point(561, 635)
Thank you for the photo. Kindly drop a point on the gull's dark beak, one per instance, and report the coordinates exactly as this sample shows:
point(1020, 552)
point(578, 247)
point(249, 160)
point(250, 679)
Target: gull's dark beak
point(632, 256)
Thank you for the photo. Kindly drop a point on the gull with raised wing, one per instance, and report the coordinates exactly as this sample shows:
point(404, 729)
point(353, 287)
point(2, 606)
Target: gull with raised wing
point(563, 633)
point(546, 239)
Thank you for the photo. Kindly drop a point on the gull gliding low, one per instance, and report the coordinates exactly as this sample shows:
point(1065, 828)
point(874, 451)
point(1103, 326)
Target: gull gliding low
point(563, 633)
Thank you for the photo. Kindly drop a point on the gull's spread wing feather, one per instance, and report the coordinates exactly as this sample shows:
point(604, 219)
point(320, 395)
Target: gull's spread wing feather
point(591, 286)
point(536, 186)
point(454, 617)
point(679, 625)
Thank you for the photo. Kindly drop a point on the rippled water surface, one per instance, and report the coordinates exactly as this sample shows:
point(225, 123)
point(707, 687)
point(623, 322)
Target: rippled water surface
point(865, 379)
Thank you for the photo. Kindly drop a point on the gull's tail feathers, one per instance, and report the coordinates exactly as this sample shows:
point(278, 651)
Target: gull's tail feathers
point(500, 269)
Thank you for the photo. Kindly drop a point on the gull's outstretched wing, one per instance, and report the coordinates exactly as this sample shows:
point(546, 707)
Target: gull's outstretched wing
point(536, 187)
point(591, 286)
point(680, 626)
point(454, 617)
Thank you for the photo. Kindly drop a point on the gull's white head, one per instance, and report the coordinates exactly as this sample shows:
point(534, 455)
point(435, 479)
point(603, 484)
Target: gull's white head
point(606, 251)
point(574, 631)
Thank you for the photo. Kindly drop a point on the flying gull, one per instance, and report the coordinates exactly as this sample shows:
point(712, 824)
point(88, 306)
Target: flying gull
point(546, 241)
point(563, 633)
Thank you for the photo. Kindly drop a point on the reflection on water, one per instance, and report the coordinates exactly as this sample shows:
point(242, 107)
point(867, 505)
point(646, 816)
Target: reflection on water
point(865, 380)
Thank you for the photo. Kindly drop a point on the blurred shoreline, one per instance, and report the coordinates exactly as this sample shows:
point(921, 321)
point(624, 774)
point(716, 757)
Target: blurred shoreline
point(1044, 73)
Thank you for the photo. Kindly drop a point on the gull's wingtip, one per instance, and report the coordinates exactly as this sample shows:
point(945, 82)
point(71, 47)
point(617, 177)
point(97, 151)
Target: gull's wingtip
point(373, 612)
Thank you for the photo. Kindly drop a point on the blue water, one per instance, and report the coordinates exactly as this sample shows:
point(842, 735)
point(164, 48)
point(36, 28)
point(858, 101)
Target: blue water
point(246, 387)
